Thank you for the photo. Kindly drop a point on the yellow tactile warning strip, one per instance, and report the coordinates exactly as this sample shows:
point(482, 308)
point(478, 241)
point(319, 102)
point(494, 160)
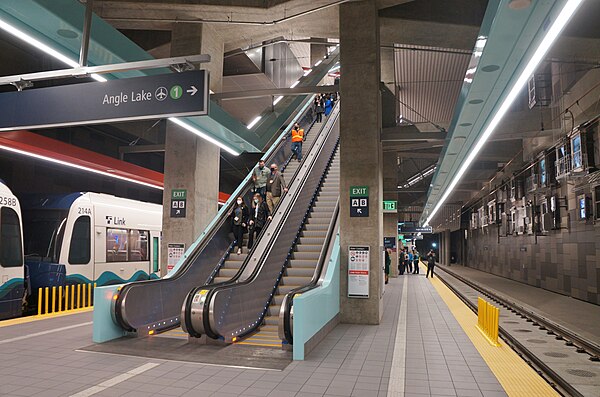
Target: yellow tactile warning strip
point(515, 375)
point(29, 319)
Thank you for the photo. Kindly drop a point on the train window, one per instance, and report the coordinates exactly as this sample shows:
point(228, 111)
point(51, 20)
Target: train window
point(11, 252)
point(116, 245)
point(80, 248)
point(138, 245)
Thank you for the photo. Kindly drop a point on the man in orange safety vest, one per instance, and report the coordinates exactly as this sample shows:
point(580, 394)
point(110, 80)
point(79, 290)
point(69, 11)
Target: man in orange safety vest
point(297, 138)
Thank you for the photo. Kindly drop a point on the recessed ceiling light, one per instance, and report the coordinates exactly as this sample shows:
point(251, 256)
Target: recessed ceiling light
point(519, 4)
point(490, 68)
point(66, 33)
point(475, 101)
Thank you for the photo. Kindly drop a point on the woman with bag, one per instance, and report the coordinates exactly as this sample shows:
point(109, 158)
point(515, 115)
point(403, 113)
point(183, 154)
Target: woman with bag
point(258, 218)
point(239, 221)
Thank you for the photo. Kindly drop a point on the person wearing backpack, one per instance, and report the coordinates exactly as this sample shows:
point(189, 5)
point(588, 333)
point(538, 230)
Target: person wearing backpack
point(430, 263)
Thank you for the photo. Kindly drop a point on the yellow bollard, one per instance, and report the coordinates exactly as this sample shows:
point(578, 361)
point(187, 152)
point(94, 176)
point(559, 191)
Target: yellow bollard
point(39, 301)
point(72, 297)
point(67, 297)
point(53, 299)
point(60, 298)
point(78, 296)
point(488, 317)
point(90, 303)
point(83, 296)
point(46, 300)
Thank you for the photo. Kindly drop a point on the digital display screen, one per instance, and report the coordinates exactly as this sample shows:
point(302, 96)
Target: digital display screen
point(582, 209)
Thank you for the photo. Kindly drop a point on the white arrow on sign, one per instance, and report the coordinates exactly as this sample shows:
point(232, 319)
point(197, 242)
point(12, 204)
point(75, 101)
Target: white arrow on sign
point(359, 211)
point(192, 91)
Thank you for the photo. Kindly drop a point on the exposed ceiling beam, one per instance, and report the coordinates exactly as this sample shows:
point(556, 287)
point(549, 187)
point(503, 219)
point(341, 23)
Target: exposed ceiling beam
point(409, 133)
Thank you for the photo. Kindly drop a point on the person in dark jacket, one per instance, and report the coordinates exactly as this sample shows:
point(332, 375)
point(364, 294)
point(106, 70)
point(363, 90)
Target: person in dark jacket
point(388, 262)
point(259, 215)
point(416, 259)
point(239, 221)
point(275, 187)
point(319, 109)
point(430, 263)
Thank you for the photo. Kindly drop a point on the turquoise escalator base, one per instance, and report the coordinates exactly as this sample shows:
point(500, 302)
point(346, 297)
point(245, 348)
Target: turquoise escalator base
point(316, 308)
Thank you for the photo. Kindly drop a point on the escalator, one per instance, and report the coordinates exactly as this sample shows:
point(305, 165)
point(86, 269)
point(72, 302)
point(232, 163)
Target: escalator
point(154, 306)
point(285, 261)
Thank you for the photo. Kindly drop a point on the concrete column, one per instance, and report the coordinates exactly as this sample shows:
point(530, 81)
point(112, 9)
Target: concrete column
point(191, 162)
point(360, 152)
point(445, 243)
point(317, 51)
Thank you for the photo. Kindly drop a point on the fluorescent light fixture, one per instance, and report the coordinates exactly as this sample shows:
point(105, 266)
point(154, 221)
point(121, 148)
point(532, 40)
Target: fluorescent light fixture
point(552, 34)
point(41, 46)
point(203, 135)
point(253, 122)
point(276, 101)
point(295, 84)
point(318, 62)
point(79, 167)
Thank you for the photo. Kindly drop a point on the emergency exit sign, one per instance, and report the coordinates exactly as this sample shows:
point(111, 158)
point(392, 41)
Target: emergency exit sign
point(390, 206)
point(178, 203)
point(359, 201)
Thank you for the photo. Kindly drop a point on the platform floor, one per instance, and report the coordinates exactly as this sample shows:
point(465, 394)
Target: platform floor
point(561, 309)
point(419, 346)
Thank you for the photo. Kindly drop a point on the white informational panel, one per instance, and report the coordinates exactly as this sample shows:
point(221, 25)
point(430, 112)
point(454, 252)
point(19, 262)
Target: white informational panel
point(358, 271)
point(175, 252)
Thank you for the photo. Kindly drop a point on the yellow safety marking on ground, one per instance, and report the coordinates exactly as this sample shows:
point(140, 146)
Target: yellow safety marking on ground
point(515, 375)
point(29, 319)
point(259, 344)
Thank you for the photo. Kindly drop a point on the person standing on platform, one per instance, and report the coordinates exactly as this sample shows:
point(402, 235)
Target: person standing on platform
point(401, 262)
point(388, 263)
point(430, 263)
point(275, 188)
point(409, 263)
point(260, 175)
point(258, 218)
point(297, 139)
point(416, 262)
point(239, 221)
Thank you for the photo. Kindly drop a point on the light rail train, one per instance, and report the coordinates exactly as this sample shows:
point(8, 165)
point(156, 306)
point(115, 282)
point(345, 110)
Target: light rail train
point(12, 283)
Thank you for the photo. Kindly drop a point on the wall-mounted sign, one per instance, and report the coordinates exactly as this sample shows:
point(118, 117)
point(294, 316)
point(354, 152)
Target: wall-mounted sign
point(389, 242)
point(359, 201)
point(174, 251)
point(390, 206)
point(178, 203)
point(138, 98)
point(358, 271)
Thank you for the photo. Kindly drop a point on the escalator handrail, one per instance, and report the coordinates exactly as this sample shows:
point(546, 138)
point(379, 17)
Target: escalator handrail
point(200, 243)
point(212, 289)
point(284, 328)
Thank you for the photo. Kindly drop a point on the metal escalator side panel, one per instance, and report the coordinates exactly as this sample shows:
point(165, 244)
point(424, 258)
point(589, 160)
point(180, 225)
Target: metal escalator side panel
point(239, 309)
point(156, 304)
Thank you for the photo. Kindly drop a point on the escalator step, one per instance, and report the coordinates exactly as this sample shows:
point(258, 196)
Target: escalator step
point(312, 240)
point(301, 271)
point(295, 280)
point(300, 263)
point(306, 255)
point(314, 233)
point(308, 248)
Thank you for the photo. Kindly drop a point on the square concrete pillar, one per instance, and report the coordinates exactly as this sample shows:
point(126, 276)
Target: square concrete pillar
point(360, 153)
point(192, 163)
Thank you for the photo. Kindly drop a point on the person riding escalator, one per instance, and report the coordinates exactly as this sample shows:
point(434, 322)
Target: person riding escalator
point(259, 215)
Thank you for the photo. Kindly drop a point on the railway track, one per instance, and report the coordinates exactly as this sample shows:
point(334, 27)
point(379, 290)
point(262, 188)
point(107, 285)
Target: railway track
point(569, 362)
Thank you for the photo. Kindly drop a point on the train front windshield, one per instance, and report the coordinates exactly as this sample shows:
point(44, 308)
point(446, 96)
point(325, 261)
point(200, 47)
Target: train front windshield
point(43, 233)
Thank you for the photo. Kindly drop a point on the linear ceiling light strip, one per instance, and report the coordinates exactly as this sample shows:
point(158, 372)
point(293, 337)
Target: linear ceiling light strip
point(553, 33)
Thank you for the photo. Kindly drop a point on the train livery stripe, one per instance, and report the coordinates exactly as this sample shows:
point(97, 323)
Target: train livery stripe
point(11, 285)
point(109, 278)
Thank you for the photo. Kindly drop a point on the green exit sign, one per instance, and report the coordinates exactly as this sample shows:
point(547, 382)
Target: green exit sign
point(359, 191)
point(179, 194)
point(390, 205)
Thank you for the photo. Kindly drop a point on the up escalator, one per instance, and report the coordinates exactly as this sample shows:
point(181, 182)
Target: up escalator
point(154, 306)
point(287, 260)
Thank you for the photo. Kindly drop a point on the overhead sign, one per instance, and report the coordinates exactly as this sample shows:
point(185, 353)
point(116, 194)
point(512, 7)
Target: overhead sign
point(390, 206)
point(359, 201)
point(414, 229)
point(358, 271)
point(178, 203)
point(138, 98)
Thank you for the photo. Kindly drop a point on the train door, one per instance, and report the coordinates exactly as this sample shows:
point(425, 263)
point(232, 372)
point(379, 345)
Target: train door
point(80, 264)
point(154, 270)
point(11, 262)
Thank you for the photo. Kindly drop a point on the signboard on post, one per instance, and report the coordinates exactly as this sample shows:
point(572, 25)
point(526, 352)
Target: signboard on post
point(358, 271)
point(138, 98)
point(175, 251)
point(414, 229)
point(178, 203)
point(359, 201)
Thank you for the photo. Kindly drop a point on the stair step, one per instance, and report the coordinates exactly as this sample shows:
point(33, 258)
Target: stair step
point(277, 299)
point(306, 255)
point(301, 271)
point(274, 310)
point(314, 233)
point(227, 272)
point(311, 240)
point(295, 280)
point(308, 248)
point(284, 289)
point(296, 262)
point(221, 279)
point(272, 320)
